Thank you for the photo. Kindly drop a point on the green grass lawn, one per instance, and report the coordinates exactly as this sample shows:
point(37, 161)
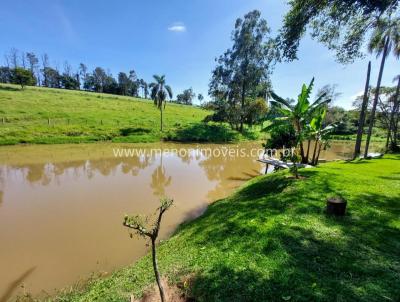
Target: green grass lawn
point(45, 116)
point(272, 241)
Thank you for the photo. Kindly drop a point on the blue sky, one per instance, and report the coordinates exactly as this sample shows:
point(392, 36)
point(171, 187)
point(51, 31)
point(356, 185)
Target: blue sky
point(178, 38)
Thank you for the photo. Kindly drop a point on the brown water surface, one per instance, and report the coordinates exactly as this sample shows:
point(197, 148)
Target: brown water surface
point(61, 206)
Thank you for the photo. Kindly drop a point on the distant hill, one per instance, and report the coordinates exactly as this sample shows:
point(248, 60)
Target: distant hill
point(47, 115)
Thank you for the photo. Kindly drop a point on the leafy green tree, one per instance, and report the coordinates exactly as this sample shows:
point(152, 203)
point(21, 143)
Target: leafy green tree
point(69, 82)
point(159, 93)
point(298, 115)
point(256, 110)
point(110, 85)
point(124, 83)
point(281, 136)
point(6, 74)
point(23, 77)
point(99, 77)
point(385, 38)
point(83, 73)
point(133, 91)
point(186, 97)
point(340, 25)
point(200, 97)
point(244, 67)
point(52, 78)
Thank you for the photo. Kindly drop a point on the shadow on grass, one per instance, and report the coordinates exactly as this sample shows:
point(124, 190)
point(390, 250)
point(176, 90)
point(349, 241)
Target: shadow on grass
point(132, 131)
point(8, 88)
point(301, 254)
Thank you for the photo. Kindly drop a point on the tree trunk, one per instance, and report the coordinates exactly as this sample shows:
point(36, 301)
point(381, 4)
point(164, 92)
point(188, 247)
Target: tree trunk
point(161, 119)
point(308, 148)
point(319, 152)
point(298, 130)
point(357, 149)
point(156, 272)
point(242, 99)
point(378, 87)
point(315, 151)
point(392, 132)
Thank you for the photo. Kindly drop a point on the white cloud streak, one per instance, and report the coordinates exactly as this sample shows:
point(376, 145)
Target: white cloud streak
point(177, 27)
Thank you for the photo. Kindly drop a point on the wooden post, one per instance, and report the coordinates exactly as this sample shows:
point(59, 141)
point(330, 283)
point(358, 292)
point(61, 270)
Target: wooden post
point(4, 120)
point(48, 121)
point(101, 122)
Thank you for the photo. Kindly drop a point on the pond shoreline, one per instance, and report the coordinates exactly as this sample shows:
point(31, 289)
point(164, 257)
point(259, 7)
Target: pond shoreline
point(189, 251)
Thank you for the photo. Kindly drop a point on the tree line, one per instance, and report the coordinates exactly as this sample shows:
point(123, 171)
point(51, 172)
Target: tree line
point(29, 69)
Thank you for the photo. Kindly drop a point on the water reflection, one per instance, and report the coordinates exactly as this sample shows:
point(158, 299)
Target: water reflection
point(159, 179)
point(62, 205)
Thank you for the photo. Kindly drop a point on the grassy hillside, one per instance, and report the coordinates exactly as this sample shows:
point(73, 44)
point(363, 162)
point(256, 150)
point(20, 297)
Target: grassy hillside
point(40, 115)
point(271, 241)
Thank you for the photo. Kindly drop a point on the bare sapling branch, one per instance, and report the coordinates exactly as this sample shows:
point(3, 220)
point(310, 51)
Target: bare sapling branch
point(140, 225)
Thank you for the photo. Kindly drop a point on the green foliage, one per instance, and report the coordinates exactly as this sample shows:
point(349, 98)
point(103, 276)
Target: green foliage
point(340, 25)
point(271, 241)
point(281, 136)
point(385, 28)
point(204, 132)
point(186, 97)
point(23, 77)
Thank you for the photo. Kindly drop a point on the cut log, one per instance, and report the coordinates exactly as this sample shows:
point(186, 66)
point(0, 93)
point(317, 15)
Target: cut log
point(336, 206)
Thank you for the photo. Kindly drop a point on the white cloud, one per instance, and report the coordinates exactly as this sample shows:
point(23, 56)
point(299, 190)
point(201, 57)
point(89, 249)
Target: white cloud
point(177, 27)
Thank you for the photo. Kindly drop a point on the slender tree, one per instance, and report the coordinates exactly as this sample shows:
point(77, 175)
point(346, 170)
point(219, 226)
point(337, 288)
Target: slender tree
point(394, 116)
point(159, 93)
point(357, 148)
point(45, 65)
point(83, 74)
point(385, 38)
point(33, 62)
point(14, 58)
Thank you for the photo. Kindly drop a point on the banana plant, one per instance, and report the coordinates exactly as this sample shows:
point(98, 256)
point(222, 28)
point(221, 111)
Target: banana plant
point(298, 114)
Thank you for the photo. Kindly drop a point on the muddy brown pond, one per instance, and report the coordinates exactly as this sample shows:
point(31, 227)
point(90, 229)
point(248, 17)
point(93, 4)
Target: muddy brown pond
point(61, 206)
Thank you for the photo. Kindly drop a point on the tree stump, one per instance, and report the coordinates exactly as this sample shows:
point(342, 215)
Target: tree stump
point(336, 206)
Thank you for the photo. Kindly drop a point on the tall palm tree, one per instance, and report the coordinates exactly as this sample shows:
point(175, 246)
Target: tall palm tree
point(159, 93)
point(298, 115)
point(385, 39)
